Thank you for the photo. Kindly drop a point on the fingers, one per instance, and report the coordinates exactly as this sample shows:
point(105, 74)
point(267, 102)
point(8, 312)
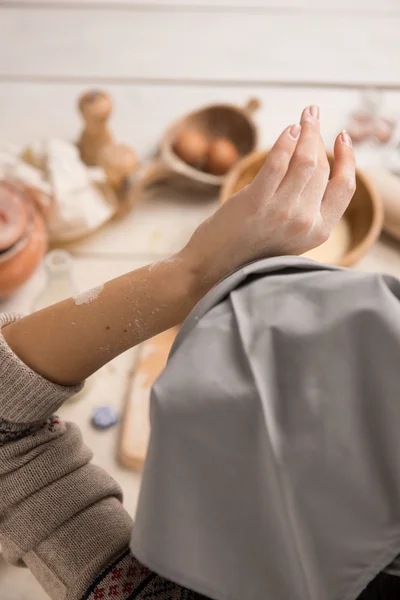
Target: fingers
point(323, 161)
point(276, 164)
point(342, 185)
point(311, 198)
point(305, 157)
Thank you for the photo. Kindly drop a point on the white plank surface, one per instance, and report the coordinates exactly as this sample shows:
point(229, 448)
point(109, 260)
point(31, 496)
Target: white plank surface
point(19, 584)
point(365, 6)
point(31, 110)
point(159, 227)
point(199, 46)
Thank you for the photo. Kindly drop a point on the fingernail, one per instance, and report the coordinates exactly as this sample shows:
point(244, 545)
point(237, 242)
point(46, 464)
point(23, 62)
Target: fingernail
point(294, 131)
point(345, 138)
point(314, 111)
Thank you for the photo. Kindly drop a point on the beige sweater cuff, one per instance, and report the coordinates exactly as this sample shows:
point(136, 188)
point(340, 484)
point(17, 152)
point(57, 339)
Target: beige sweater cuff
point(26, 397)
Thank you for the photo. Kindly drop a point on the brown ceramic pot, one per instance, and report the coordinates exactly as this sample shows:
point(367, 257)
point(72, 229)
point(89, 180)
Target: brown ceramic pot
point(23, 237)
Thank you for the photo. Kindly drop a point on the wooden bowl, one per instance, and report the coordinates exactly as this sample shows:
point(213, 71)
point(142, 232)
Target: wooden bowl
point(217, 120)
point(362, 221)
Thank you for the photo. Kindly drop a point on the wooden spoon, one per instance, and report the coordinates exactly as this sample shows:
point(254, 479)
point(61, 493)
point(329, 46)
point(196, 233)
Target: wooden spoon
point(218, 120)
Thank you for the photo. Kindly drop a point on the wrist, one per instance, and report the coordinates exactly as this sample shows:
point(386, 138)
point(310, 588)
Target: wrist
point(197, 275)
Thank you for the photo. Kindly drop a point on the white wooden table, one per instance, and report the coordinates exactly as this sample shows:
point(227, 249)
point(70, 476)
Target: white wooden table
point(159, 60)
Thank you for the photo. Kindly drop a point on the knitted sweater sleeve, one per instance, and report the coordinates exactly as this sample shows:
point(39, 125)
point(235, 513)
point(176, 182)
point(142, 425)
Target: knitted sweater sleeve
point(60, 515)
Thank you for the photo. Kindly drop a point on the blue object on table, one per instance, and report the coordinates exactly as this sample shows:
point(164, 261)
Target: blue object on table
point(104, 417)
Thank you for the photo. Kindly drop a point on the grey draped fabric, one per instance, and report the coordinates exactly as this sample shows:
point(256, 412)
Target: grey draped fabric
point(273, 471)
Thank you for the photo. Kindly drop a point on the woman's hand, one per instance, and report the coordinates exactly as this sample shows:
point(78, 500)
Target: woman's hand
point(290, 207)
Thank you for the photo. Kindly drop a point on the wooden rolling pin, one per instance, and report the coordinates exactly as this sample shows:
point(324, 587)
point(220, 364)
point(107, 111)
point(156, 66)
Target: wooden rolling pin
point(135, 432)
point(388, 186)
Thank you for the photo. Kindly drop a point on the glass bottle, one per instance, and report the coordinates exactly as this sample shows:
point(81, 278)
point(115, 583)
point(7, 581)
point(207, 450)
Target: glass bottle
point(59, 283)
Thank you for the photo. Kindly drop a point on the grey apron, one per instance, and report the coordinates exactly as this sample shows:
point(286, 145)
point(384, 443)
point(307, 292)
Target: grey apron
point(273, 471)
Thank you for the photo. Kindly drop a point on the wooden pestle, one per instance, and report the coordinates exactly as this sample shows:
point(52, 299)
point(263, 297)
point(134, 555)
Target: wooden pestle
point(119, 162)
point(95, 107)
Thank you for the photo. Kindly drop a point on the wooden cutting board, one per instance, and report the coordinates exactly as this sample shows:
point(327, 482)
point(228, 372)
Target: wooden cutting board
point(135, 431)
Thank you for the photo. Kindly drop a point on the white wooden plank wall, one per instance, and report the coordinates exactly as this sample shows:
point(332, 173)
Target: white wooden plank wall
point(304, 5)
point(261, 46)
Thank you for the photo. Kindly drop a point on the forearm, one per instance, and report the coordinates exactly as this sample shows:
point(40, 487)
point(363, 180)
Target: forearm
point(70, 340)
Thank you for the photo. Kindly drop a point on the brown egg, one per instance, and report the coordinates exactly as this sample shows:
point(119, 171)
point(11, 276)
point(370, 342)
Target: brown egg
point(222, 155)
point(191, 146)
